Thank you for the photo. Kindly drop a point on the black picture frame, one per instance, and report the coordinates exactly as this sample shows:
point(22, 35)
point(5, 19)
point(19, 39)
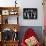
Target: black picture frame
point(30, 13)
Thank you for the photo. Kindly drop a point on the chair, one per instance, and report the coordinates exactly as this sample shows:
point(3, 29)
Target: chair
point(29, 33)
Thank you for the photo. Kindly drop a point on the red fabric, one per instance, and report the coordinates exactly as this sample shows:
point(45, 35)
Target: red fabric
point(28, 33)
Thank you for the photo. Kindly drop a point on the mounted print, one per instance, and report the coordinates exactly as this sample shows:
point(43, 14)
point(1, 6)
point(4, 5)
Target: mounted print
point(30, 13)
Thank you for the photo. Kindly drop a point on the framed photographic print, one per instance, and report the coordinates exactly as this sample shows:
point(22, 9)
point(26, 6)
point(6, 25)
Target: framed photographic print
point(30, 13)
point(5, 12)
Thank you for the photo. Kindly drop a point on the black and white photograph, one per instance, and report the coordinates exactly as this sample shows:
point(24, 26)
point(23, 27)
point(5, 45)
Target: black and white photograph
point(30, 13)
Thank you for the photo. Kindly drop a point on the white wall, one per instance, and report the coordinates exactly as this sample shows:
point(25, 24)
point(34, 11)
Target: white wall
point(31, 4)
point(7, 3)
point(27, 4)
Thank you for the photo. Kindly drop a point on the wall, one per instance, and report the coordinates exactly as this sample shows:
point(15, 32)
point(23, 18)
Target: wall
point(7, 3)
point(27, 4)
point(31, 4)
